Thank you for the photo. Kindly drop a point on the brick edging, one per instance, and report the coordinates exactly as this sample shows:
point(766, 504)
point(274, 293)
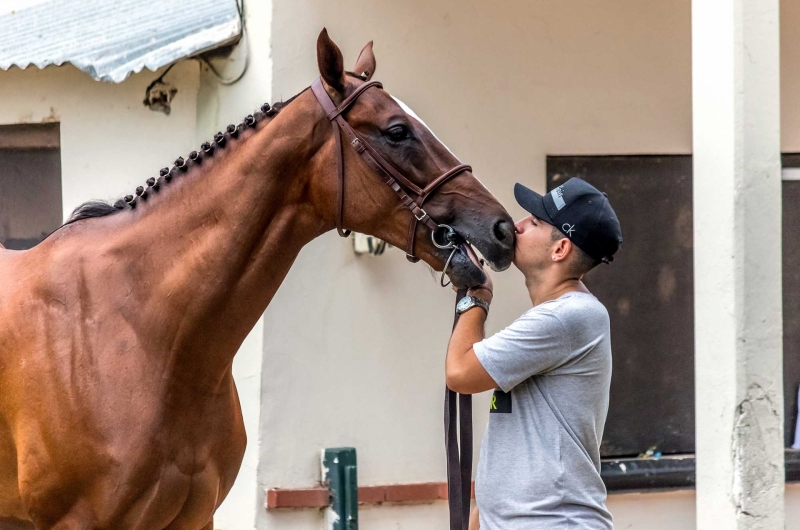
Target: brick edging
point(367, 495)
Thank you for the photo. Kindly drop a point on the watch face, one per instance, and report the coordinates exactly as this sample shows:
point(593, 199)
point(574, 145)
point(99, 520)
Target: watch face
point(465, 303)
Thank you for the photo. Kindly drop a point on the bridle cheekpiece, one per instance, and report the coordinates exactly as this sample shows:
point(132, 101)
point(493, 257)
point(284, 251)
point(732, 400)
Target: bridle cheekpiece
point(401, 185)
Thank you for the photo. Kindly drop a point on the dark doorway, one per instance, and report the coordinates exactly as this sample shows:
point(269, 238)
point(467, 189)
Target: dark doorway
point(30, 184)
point(649, 292)
point(791, 296)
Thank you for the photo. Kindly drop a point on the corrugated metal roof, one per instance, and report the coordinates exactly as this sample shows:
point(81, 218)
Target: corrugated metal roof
point(110, 39)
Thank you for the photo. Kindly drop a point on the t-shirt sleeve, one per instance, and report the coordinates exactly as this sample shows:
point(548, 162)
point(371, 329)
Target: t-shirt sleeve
point(535, 343)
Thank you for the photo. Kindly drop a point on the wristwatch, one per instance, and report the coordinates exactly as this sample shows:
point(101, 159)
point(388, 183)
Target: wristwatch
point(468, 302)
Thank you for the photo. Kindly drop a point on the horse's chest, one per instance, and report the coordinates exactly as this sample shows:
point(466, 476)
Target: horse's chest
point(199, 474)
point(171, 471)
point(188, 501)
point(183, 489)
point(205, 466)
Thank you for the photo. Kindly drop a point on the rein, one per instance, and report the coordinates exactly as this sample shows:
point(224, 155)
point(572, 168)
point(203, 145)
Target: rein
point(459, 456)
point(458, 415)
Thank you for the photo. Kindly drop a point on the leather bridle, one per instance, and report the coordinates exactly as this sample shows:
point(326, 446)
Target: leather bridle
point(459, 455)
point(401, 185)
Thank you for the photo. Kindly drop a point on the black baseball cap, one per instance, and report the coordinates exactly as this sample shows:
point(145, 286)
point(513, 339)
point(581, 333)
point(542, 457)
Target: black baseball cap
point(581, 212)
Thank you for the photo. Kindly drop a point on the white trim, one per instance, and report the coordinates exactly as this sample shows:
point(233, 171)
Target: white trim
point(790, 173)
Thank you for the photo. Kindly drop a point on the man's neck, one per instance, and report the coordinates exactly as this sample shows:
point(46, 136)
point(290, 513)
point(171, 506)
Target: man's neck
point(547, 286)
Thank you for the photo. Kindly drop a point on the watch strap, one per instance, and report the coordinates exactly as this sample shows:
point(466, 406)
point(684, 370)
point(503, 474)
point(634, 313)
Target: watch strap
point(473, 301)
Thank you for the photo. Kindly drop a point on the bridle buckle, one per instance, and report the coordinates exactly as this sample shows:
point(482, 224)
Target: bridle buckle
point(356, 143)
point(422, 215)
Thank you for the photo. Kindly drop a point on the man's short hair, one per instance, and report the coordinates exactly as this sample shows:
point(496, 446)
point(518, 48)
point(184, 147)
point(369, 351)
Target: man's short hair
point(581, 261)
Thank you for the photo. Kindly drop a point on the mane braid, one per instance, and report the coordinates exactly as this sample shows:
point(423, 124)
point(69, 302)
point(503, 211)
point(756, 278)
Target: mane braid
point(98, 208)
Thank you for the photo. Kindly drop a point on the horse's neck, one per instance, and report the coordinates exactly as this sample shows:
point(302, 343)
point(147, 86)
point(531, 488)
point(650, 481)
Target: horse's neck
point(212, 248)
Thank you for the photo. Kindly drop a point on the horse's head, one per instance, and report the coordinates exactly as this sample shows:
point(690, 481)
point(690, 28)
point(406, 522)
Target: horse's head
point(408, 145)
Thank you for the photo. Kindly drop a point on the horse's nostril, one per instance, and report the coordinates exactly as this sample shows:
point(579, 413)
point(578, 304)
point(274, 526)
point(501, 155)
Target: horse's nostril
point(504, 231)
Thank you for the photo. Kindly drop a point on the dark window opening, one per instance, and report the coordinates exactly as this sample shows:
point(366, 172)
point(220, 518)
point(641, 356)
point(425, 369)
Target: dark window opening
point(649, 293)
point(791, 295)
point(30, 184)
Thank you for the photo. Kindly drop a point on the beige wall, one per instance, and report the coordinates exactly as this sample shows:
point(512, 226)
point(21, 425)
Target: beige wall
point(110, 142)
point(790, 79)
point(503, 84)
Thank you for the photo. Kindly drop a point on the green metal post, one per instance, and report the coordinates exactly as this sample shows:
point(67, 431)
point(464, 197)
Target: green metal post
point(340, 475)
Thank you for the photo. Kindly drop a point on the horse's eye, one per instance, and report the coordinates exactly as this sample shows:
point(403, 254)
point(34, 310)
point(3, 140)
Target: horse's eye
point(397, 133)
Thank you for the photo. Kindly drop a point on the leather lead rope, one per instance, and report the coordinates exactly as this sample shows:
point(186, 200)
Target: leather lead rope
point(458, 418)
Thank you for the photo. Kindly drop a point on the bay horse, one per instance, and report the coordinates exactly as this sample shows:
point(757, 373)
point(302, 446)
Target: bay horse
point(118, 409)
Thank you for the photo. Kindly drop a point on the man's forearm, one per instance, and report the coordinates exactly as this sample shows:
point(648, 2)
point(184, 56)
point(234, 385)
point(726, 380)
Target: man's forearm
point(467, 332)
point(464, 373)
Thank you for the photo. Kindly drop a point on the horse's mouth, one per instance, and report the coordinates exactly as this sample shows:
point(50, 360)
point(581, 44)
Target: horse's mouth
point(464, 273)
point(461, 270)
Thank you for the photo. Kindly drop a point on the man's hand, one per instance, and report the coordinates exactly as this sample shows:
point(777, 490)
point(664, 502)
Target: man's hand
point(465, 374)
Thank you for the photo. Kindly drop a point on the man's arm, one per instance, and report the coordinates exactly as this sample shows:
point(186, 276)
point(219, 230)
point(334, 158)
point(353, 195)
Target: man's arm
point(465, 374)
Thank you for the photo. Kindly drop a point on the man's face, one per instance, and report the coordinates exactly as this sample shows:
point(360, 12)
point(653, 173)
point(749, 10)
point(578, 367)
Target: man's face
point(534, 241)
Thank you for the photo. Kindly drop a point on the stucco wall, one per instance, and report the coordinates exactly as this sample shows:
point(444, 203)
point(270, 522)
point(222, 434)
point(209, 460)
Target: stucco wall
point(503, 84)
point(110, 142)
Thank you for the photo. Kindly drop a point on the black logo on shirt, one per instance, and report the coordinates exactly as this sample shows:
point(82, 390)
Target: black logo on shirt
point(501, 403)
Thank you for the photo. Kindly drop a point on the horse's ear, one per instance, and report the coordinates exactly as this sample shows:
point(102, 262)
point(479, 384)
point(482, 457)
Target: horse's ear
point(330, 62)
point(365, 65)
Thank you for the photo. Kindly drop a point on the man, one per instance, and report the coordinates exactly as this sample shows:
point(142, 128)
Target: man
point(539, 464)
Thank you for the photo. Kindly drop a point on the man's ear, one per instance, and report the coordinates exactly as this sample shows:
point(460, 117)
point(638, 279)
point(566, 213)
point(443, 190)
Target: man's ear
point(562, 248)
point(365, 65)
point(330, 62)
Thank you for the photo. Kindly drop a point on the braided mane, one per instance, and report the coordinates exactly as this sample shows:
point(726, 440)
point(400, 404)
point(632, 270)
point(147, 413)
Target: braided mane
point(97, 208)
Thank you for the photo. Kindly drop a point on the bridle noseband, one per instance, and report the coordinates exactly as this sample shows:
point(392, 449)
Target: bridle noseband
point(403, 187)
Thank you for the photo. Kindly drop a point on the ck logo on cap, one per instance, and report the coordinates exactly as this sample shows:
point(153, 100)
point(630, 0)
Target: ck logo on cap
point(558, 197)
point(568, 229)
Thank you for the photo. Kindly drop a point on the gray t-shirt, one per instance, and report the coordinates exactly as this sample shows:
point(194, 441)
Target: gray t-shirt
point(539, 464)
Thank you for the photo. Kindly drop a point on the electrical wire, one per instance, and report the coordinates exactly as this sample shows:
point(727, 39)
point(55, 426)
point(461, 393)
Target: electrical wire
point(204, 60)
point(220, 78)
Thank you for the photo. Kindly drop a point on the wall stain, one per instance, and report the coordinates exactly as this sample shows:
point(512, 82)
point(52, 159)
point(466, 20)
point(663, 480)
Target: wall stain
point(667, 284)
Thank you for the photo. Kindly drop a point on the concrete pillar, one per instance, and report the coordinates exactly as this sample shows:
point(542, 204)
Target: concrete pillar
point(737, 245)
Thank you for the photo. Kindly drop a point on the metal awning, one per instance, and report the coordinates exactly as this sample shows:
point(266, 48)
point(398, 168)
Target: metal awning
point(109, 40)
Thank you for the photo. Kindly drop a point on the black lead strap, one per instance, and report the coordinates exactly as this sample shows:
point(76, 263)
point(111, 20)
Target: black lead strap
point(458, 418)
